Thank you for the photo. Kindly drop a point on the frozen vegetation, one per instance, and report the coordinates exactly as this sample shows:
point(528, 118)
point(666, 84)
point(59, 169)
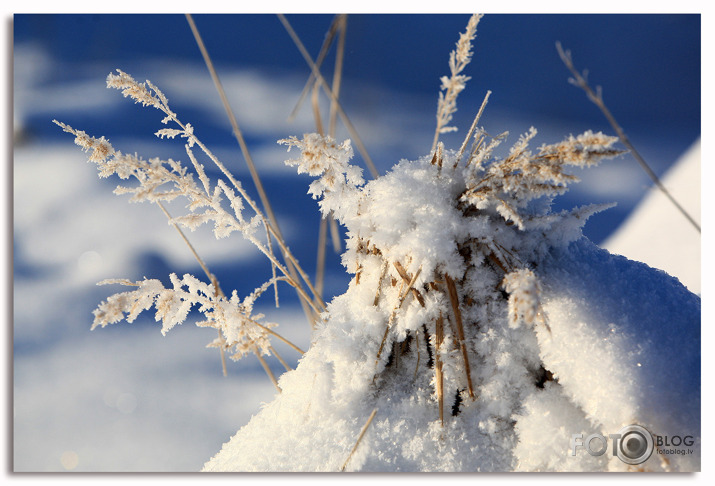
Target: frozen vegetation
point(481, 331)
point(483, 343)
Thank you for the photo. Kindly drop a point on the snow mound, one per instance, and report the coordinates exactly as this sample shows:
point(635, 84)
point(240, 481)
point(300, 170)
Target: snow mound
point(656, 233)
point(624, 348)
point(486, 333)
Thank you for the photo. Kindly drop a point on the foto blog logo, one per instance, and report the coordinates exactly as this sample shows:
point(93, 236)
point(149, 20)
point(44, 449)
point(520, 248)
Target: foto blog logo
point(632, 444)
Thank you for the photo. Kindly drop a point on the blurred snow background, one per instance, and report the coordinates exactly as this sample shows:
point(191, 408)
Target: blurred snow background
point(127, 399)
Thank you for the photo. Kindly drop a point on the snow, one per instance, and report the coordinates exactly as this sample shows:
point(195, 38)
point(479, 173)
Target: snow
point(605, 342)
point(129, 399)
point(657, 233)
point(93, 398)
point(624, 345)
point(611, 350)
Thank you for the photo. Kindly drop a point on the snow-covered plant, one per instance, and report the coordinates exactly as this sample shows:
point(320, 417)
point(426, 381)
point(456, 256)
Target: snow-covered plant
point(458, 344)
point(456, 82)
point(511, 183)
point(433, 243)
point(239, 330)
point(161, 181)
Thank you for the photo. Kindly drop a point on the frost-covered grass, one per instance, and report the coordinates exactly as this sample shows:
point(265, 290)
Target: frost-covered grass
point(482, 336)
point(476, 323)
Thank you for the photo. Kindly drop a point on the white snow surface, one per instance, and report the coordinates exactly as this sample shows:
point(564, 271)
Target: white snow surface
point(620, 340)
point(657, 233)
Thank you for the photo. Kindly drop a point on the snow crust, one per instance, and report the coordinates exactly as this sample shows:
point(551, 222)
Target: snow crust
point(625, 347)
point(656, 233)
point(573, 341)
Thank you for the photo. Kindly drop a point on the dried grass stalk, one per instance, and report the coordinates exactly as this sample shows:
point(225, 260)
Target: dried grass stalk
point(320, 266)
point(454, 299)
point(406, 278)
point(402, 295)
point(453, 85)
point(280, 358)
point(417, 346)
point(266, 368)
point(334, 233)
point(471, 129)
point(357, 443)
point(438, 156)
point(439, 378)
point(316, 109)
point(341, 22)
point(389, 322)
point(379, 285)
point(343, 116)
point(596, 97)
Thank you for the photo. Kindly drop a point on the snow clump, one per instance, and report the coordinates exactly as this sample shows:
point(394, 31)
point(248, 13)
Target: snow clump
point(484, 329)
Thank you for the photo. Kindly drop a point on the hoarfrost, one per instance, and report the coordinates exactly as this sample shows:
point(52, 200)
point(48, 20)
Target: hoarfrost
point(427, 333)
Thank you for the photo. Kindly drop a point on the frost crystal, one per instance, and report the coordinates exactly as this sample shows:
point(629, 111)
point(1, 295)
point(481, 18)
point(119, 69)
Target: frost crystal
point(322, 157)
point(239, 329)
point(456, 82)
point(524, 292)
point(428, 332)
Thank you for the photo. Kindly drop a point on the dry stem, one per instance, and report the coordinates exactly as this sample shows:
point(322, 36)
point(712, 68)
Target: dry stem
point(329, 36)
point(339, 23)
point(472, 128)
point(342, 21)
point(401, 270)
point(379, 284)
point(439, 379)
point(597, 99)
point(266, 368)
point(348, 124)
point(454, 299)
point(316, 109)
point(362, 433)
point(402, 295)
point(280, 358)
point(290, 262)
point(459, 58)
point(320, 265)
point(417, 346)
